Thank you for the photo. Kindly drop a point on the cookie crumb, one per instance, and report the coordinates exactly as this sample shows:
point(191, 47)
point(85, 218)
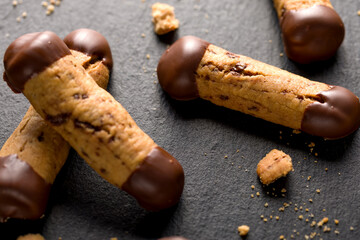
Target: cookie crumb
point(243, 230)
point(114, 238)
point(358, 13)
point(323, 221)
point(281, 54)
point(266, 205)
point(295, 131)
point(15, 3)
point(301, 217)
point(274, 165)
point(277, 217)
point(143, 35)
point(18, 19)
point(50, 9)
point(24, 14)
point(327, 229)
point(336, 221)
point(282, 237)
point(257, 194)
point(31, 237)
point(252, 187)
point(317, 190)
point(44, 4)
point(164, 18)
point(351, 228)
point(147, 56)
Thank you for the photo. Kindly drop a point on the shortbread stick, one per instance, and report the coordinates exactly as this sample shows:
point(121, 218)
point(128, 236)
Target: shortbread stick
point(34, 154)
point(95, 125)
point(311, 29)
point(193, 68)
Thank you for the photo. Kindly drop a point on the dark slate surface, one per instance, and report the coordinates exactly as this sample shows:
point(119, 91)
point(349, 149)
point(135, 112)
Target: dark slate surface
point(216, 197)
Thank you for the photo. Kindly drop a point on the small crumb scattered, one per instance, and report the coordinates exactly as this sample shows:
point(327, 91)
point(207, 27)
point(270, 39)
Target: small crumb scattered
point(310, 200)
point(15, 3)
point(18, 19)
point(274, 165)
point(114, 238)
point(243, 230)
point(283, 190)
point(323, 221)
point(277, 217)
point(266, 205)
point(257, 194)
point(326, 169)
point(24, 14)
point(281, 54)
point(252, 187)
point(317, 190)
point(147, 56)
point(143, 35)
point(295, 131)
point(282, 237)
point(308, 178)
point(301, 217)
point(226, 157)
point(327, 229)
point(336, 221)
point(50, 9)
point(265, 220)
point(358, 13)
point(313, 223)
point(351, 228)
point(261, 216)
point(44, 4)
point(337, 232)
point(252, 195)
point(164, 18)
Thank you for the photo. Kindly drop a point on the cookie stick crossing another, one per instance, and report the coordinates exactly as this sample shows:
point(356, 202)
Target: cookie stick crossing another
point(193, 68)
point(92, 121)
point(34, 154)
point(311, 29)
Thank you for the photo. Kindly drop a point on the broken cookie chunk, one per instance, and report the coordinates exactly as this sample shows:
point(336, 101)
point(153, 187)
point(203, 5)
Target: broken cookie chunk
point(274, 165)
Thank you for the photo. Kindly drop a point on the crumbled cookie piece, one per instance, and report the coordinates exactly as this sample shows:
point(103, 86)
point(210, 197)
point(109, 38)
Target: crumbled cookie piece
point(164, 18)
point(323, 221)
point(243, 230)
point(31, 237)
point(274, 165)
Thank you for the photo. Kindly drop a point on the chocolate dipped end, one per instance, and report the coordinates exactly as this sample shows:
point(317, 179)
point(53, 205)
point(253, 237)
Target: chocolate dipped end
point(29, 55)
point(311, 34)
point(92, 44)
point(23, 193)
point(335, 115)
point(177, 67)
point(158, 181)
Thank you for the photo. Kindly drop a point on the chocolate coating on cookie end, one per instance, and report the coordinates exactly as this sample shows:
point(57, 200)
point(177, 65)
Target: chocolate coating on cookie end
point(177, 67)
point(158, 182)
point(92, 44)
point(29, 55)
point(311, 34)
point(23, 193)
point(335, 115)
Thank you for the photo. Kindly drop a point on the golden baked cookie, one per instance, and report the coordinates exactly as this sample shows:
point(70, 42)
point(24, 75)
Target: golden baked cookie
point(92, 121)
point(33, 155)
point(193, 68)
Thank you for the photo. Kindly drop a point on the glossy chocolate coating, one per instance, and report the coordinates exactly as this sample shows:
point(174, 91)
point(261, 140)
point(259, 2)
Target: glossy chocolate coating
point(29, 55)
point(335, 115)
point(311, 34)
point(92, 44)
point(177, 67)
point(158, 182)
point(23, 193)
point(173, 238)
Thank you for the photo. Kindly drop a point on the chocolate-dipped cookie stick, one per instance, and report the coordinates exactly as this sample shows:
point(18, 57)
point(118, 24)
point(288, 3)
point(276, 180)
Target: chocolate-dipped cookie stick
point(91, 120)
point(193, 68)
point(311, 29)
point(34, 154)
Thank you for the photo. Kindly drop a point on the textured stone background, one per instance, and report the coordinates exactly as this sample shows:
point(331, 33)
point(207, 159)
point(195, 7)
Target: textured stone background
point(216, 197)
